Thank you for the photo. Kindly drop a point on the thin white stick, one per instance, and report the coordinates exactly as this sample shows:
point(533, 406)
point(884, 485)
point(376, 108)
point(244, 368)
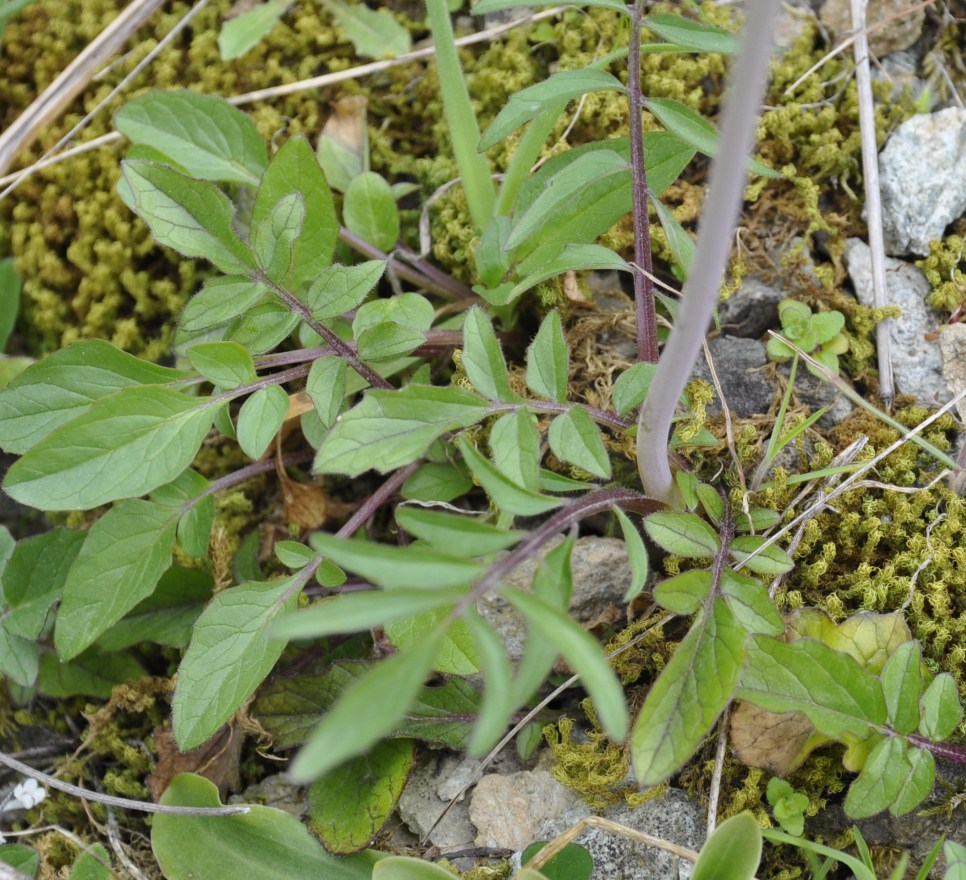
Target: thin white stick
point(714, 794)
point(110, 801)
point(327, 79)
point(873, 200)
point(66, 139)
point(48, 105)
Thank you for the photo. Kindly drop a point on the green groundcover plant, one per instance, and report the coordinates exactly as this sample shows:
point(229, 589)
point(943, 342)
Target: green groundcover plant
point(306, 342)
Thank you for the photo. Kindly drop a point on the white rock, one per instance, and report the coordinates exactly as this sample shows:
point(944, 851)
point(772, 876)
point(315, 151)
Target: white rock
point(509, 811)
point(952, 345)
point(922, 174)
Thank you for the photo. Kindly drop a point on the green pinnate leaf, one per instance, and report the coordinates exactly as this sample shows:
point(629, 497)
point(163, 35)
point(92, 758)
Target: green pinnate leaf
point(483, 358)
point(456, 534)
point(225, 364)
point(325, 386)
point(688, 696)
point(273, 239)
point(204, 134)
point(350, 804)
point(881, 779)
point(683, 534)
point(33, 579)
point(370, 211)
point(515, 448)
point(63, 386)
point(124, 445)
point(548, 360)
point(575, 438)
point(917, 781)
point(339, 289)
point(456, 655)
point(830, 688)
point(527, 103)
point(243, 32)
point(263, 326)
point(901, 685)
point(772, 560)
point(582, 652)
point(260, 418)
point(391, 428)
point(371, 707)
point(506, 494)
point(632, 386)
point(684, 593)
point(229, 656)
point(191, 216)
point(691, 34)
point(220, 299)
point(750, 604)
point(373, 33)
point(123, 557)
point(294, 169)
point(941, 710)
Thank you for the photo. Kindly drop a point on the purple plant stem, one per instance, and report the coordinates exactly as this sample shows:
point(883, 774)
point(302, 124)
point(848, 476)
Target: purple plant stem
point(728, 175)
point(949, 751)
point(581, 508)
point(647, 346)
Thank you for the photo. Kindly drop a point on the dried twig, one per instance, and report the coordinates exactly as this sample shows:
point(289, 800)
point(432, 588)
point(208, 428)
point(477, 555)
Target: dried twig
point(110, 801)
point(49, 105)
point(873, 201)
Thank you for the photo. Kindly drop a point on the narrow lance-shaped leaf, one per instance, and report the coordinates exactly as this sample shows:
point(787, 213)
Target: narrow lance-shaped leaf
point(229, 656)
point(506, 494)
point(636, 554)
point(125, 445)
point(548, 360)
point(455, 534)
point(901, 685)
point(243, 32)
point(498, 702)
point(582, 652)
point(483, 357)
point(692, 34)
point(688, 696)
point(527, 103)
point(371, 709)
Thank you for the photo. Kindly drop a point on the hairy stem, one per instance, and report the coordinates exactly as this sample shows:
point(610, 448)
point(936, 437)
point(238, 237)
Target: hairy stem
point(647, 349)
point(728, 174)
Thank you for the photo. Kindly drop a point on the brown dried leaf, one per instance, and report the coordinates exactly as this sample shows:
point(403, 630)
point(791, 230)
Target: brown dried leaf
point(348, 125)
point(776, 742)
point(216, 760)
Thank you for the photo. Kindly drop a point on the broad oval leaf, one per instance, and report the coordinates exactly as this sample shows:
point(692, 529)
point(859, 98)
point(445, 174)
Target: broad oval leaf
point(684, 593)
point(483, 358)
point(901, 684)
point(294, 169)
point(266, 843)
point(124, 445)
point(688, 696)
point(515, 448)
point(370, 211)
point(339, 289)
point(120, 563)
point(576, 439)
point(220, 299)
point(225, 364)
point(260, 418)
point(942, 712)
point(732, 852)
point(62, 386)
point(325, 386)
point(683, 534)
point(772, 560)
point(243, 32)
point(229, 656)
point(204, 134)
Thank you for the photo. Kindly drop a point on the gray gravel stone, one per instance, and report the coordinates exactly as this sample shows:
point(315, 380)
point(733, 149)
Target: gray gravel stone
point(671, 816)
point(739, 364)
point(923, 180)
point(751, 309)
point(917, 363)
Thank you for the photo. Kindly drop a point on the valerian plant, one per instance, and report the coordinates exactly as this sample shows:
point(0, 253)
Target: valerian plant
point(293, 344)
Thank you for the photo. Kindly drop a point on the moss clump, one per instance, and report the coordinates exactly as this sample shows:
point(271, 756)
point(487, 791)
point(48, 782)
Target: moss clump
point(943, 269)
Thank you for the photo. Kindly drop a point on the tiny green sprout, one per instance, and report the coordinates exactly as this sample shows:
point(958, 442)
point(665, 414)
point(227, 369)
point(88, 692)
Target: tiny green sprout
point(819, 334)
point(787, 805)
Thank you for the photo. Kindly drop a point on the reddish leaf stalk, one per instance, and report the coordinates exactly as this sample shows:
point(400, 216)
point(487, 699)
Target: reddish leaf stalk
point(647, 347)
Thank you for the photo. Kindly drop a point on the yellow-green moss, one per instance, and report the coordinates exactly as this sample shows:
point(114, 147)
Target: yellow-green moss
point(944, 272)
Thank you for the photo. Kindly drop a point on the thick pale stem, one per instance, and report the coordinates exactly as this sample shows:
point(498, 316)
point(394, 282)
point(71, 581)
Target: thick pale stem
point(728, 175)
